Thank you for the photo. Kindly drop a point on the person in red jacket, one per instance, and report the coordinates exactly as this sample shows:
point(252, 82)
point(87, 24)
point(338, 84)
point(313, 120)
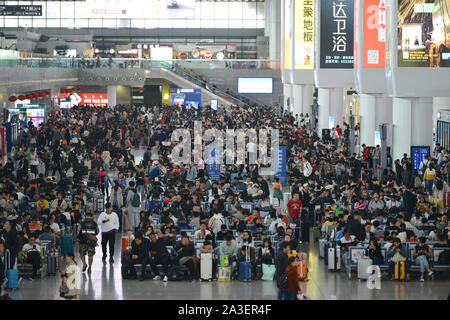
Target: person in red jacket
point(294, 207)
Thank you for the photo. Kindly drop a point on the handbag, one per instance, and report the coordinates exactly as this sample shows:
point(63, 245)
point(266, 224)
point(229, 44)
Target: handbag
point(63, 289)
point(224, 260)
point(398, 258)
point(282, 282)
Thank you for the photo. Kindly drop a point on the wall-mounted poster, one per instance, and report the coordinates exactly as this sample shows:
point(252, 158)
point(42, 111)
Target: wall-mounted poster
point(424, 33)
point(304, 34)
point(336, 34)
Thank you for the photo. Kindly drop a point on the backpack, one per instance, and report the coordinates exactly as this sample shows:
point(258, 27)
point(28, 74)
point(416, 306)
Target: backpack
point(136, 201)
point(444, 258)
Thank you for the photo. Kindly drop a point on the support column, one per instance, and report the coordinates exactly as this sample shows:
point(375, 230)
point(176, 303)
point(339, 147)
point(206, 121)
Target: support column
point(323, 99)
point(112, 96)
point(297, 93)
point(412, 124)
point(337, 106)
point(367, 119)
point(307, 95)
point(383, 114)
point(273, 28)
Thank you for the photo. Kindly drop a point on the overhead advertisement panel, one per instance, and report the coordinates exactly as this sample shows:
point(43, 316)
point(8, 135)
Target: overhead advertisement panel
point(336, 34)
point(424, 33)
point(304, 34)
point(374, 25)
point(287, 34)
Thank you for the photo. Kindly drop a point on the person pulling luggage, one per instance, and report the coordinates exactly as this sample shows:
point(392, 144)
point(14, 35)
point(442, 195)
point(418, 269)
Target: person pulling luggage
point(87, 238)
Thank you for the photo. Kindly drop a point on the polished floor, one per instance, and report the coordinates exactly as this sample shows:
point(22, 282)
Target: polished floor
point(105, 283)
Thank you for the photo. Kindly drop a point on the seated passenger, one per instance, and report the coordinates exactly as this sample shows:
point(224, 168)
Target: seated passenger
point(398, 252)
point(422, 252)
point(139, 255)
point(375, 252)
point(159, 255)
point(185, 255)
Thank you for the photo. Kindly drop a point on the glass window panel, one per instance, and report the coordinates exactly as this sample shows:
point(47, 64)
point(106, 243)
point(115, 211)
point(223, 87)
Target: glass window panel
point(124, 23)
point(110, 23)
point(221, 24)
point(67, 23)
point(260, 11)
point(235, 24)
point(235, 10)
point(39, 23)
point(221, 10)
point(53, 9)
point(2, 22)
point(207, 24)
point(138, 23)
point(207, 10)
point(193, 24)
point(249, 24)
point(151, 23)
point(67, 9)
point(260, 24)
point(53, 23)
point(250, 11)
point(95, 23)
point(82, 23)
point(81, 10)
point(25, 22)
point(179, 23)
point(165, 23)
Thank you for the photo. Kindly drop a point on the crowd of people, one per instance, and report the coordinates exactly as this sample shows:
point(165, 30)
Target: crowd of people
point(52, 179)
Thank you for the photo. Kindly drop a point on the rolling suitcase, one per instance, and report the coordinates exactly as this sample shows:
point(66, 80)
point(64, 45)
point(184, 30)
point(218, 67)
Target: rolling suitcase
point(51, 263)
point(206, 266)
point(245, 269)
point(302, 270)
point(126, 259)
point(327, 246)
point(363, 264)
point(399, 270)
point(10, 273)
point(322, 243)
point(100, 205)
point(334, 258)
point(125, 222)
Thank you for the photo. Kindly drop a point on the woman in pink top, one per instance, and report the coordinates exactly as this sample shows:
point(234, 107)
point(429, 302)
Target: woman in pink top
point(360, 205)
point(101, 180)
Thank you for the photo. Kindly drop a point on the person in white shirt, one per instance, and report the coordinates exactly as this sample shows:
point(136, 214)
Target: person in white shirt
point(202, 233)
point(54, 226)
point(32, 254)
point(109, 224)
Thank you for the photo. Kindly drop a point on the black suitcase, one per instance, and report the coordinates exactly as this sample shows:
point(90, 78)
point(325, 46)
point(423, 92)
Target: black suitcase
point(51, 264)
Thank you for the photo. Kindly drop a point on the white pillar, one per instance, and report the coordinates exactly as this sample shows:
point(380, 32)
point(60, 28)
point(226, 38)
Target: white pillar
point(112, 95)
point(383, 114)
point(367, 119)
point(323, 99)
point(412, 124)
point(273, 27)
point(297, 93)
point(337, 106)
point(307, 95)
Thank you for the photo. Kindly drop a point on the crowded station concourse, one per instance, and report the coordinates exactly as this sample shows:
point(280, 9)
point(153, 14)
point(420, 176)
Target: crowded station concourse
point(100, 182)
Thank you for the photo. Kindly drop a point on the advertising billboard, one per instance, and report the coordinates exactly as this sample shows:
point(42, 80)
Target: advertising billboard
point(304, 34)
point(374, 25)
point(255, 85)
point(191, 98)
point(336, 34)
point(424, 33)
